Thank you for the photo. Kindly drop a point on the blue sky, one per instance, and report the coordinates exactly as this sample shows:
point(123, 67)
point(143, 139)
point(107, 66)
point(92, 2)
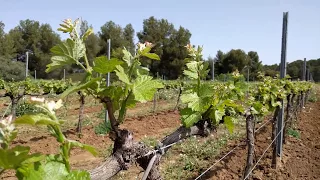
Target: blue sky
point(217, 25)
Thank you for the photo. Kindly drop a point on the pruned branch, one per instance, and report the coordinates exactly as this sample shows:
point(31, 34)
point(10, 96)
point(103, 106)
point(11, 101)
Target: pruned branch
point(127, 151)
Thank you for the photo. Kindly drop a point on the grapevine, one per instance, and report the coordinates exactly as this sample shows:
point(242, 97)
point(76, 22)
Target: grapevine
point(207, 104)
point(16, 90)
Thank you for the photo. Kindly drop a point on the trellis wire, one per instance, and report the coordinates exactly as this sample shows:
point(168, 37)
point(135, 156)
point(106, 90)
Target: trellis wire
point(218, 161)
point(161, 148)
point(263, 125)
point(265, 151)
point(164, 147)
point(230, 151)
point(5, 112)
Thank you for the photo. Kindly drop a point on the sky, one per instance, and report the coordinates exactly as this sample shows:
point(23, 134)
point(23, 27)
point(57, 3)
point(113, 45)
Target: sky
point(251, 25)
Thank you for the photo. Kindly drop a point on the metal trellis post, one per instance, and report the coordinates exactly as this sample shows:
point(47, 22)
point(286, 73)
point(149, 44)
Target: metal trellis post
point(304, 69)
point(108, 82)
point(283, 65)
point(213, 70)
point(27, 63)
point(304, 73)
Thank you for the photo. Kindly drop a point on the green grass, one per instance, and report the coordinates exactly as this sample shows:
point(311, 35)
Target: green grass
point(102, 128)
point(167, 94)
point(106, 152)
point(150, 141)
point(294, 133)
point(313, 96)
point(193, 156)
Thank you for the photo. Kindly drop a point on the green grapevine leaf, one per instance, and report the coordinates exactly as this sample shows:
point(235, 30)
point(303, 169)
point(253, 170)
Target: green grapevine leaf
point(193, 66)
point(12, 136)
point(231, 86)
point(35, 119)
point(127, 57)
point(78, 175)
point(128, 102)
point(115, 93)
point(131, 102)
point(66, 53)
point(193, 101)
point(51, 170)
point(87, 34)
point(15, 157)
point(37, 157)
point(54, 170)
point(203, 70)
point(144, 88)
point(146, 50)
point(190, 74)
point(54, 157)
point(152, 56)
point(122, 75)
point(217, 114)
point(237, 107)
point(192, 71)
point(228, 122)
point(189, 117)
point(257, 107)
point(273, 103)
point(80, 86)
point(86, 147)
point(104, 66)
point(142, 71)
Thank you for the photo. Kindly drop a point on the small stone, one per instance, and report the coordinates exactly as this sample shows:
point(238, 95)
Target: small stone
point(257, 175)
point(299, 155)
point(269, 174)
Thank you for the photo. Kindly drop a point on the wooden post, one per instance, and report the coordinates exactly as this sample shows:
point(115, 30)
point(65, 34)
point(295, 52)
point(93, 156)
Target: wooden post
point(154, 102)
point(179, 95)
point(250, 144)
point(286, 123)
point(274, 134)
point(81, 109)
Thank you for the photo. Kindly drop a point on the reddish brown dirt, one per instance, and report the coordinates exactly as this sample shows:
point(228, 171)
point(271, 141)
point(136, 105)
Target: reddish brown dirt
point(161, 123)
point(301, 157)
point(140, 107)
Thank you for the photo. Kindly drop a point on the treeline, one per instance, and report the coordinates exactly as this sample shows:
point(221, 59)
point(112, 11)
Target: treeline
point(238, 59)
point(295, 68)
point(38, 39)
point(228, 62)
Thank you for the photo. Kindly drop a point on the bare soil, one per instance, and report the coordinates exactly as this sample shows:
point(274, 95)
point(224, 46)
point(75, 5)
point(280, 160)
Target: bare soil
point(301, 157)
point(300, 160)
point(161, 123)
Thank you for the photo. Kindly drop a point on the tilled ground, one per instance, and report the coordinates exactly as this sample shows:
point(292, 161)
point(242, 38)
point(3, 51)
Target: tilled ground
point(301, 157)
point(143, 126)
point(300, 160)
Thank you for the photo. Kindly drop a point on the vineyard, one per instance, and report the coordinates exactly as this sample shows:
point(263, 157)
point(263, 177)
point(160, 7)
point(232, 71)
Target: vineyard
point(156, 129)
